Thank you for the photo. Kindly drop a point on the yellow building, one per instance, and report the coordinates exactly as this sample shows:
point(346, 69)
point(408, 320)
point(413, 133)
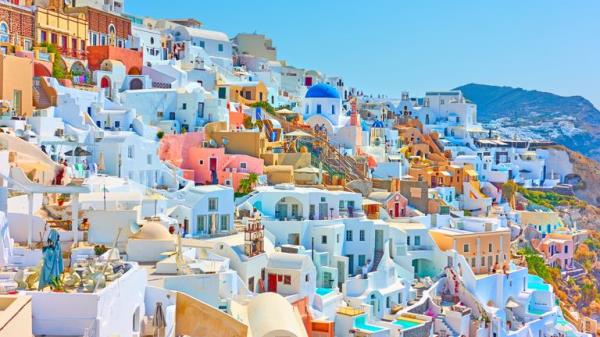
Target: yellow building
point(246, 93)
point(69, 32)
point(482, 250)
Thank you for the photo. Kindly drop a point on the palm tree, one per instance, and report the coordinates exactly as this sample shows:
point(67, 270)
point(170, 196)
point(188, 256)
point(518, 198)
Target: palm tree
point(247, 184)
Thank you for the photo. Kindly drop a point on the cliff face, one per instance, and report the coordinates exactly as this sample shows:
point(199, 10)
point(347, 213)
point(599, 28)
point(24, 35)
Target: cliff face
point(570, 121)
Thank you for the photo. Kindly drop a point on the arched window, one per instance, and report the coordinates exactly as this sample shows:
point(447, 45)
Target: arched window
point(112, 34)
point(4, 33)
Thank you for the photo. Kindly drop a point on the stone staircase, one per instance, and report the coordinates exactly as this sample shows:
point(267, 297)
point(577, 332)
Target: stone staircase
point(448, 330)
point(328, 154)
point(377, 259)
point(40, 98)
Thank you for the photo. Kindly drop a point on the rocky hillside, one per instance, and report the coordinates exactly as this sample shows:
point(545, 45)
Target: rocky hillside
point(570, 121)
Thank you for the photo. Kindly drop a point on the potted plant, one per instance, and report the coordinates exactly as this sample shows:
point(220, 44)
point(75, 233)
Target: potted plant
point(56, 284)
point(61, 199)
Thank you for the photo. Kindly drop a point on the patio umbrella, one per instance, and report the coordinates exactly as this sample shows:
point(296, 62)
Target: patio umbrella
point(158, 321)
point(101, 161)
point(78, 152)
point(53, 263)
point(298, 133)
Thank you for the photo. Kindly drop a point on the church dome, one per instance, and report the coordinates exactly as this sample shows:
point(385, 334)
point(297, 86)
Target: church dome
point(322, 90)
point(378, 124)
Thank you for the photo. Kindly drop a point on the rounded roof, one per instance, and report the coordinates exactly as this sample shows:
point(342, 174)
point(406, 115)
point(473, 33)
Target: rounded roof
point(377, 124)
point(322, 90)
point(280, 320)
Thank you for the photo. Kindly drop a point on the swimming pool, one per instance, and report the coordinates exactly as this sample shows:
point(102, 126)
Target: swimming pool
point(324, 291)
point(406, 324)
point(534, 282)
point(536, 311)
point(361, 323)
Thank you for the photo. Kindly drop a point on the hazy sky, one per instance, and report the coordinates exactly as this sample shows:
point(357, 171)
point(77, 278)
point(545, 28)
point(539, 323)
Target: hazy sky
point(389, 46)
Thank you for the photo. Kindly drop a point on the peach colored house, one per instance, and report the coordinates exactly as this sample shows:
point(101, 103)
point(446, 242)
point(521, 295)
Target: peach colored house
point(207, 164)
point(16, 83)
point(557, 250)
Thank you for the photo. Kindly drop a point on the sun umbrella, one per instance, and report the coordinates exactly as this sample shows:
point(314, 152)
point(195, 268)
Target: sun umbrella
point(101, 161)
point(53, 263)
point(158, 321)
point(298, 133)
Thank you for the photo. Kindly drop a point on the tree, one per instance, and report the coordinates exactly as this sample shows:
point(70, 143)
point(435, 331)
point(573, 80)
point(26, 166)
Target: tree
point(160, 134)
point(59, 70)
point(509, 189)
point(247, 184)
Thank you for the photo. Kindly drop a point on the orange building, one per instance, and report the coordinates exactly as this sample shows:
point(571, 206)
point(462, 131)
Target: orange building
point(16, 83)
point(132, 59)
point(483, 250)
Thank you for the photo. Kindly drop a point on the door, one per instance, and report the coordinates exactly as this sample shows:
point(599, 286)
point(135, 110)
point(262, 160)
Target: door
point(396, 210)
point(311, 212)
point(213, 164)
point(282, 211)
point(327, 280)
point(322, 211)
point(272, 283)
point(379, 240)
point(350, 264)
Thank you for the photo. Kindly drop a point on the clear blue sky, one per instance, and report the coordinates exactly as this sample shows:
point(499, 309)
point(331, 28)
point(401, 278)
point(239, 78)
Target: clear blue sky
point(389, 46)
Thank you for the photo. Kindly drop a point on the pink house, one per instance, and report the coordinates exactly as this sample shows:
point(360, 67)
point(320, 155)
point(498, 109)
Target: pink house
point(393, 202)
point(207, 165)
point(557, 250)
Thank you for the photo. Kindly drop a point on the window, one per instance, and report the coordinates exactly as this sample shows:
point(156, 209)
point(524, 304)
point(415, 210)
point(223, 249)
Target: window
point(184, 107)
point(222, 93)
point(130, 152)
point(318, 108)
point(224, 222)
point(160, 114)
point(490, 247)
point(324, 239)
point(408, 240)
point(251, 283)
point(465, 248)
point(362, 259)
point(201, 44)
point(287, 279)
point(307, 277)
point(387, 302)
point(201, 162)
point(4, 33)
point(337, 238)
point(566, 249)
point(200, 113)
point(350, 204)
point(483, 261)
point(333, 109)
point(361, 235)
point(149, 159)
point(323, 199)
point(220, 47)
point(94, 39)
point(201, 223)
point(117, 124)
point(103, 40)
point(212, 204)
point(341, 205)
point(243, 165)
point(348, 235)
point(54, 38)
point(472, 262)
point(417, 240)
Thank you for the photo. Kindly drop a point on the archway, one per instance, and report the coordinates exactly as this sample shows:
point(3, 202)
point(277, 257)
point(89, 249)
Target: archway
point(136, 84)
point(39, 70)
point(288, 208)
point(105, 82)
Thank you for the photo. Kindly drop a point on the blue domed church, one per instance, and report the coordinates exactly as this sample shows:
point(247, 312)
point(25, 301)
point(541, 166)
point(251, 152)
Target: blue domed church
point(323, 106)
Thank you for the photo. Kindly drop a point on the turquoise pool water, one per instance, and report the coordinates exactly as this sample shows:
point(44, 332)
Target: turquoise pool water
point(324, 291)
point(405, 324)
point(536, 311)
point(534, 282)
point(360, 323)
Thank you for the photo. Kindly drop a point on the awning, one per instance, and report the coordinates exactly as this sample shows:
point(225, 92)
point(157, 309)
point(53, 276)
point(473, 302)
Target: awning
point(298, 133)
point(512, 304)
